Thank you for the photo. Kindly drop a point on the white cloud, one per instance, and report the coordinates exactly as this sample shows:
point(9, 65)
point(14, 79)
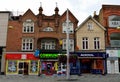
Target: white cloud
point(80, 8)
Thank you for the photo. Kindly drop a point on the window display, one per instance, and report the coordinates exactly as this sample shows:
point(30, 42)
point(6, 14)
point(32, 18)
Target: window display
point(34, 66)
point(12, 66)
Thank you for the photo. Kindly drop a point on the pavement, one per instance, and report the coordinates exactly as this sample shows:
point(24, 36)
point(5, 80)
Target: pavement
point(55, 78)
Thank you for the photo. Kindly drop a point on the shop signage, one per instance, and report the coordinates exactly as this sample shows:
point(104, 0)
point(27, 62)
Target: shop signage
point(23, 56)
point(112, 53)
point(16, 56)
point(87, 55)
point(48, 56)
point(37, 52)
point(103, 55)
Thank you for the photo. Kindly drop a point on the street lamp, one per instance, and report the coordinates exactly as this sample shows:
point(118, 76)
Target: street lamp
point(67, 44)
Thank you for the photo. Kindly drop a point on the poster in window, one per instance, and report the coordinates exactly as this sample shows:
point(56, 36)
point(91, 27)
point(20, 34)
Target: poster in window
point(34, 66)
point(12, 66)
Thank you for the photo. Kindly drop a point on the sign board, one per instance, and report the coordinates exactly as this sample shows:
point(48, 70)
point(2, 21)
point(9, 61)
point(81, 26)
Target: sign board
point(48, 56)
point(37, 52)
point(23, 56)
point(102, 55)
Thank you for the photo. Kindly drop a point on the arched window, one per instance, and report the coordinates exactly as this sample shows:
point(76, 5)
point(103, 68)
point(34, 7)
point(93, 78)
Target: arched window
point(28, 26)
point(48, 29)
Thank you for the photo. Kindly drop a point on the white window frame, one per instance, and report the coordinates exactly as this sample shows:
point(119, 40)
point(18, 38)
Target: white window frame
point(85, 43)
point(96, 43)
point(27, 43)
point(112, 22)
point(71, 27)
point(90, 26)
point(28, 26)
point(71, 44)
point(48, 44)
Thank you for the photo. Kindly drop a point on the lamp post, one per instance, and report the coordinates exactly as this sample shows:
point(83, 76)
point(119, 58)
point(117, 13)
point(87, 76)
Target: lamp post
point(67, 43)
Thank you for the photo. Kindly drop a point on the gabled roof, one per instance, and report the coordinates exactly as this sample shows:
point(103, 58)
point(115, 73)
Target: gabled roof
point(28, 12)
point(69, 14)
point(90, 17)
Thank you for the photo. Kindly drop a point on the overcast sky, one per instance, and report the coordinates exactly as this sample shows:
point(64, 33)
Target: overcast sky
point(81, 9)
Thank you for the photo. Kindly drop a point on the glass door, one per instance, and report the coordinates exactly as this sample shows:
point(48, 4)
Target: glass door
point(23, 68)
point(49, 68)
point(112, 66)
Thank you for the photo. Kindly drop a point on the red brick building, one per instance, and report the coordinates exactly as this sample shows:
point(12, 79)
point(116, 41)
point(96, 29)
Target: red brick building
point(29, 32)
point(109, 17)
point(106, 15)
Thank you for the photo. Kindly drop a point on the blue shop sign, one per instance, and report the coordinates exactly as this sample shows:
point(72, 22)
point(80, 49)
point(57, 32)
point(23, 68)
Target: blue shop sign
point(102, 55)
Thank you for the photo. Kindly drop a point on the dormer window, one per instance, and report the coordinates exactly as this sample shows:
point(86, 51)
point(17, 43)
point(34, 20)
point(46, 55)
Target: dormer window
point(48, 29)
point(28, 26)
point(89, 26)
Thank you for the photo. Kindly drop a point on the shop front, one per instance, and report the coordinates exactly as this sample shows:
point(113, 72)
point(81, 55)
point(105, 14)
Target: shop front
point(119, 60)
point(21, 64)
point(93, 62)
point(113, 61)
point(49, 63)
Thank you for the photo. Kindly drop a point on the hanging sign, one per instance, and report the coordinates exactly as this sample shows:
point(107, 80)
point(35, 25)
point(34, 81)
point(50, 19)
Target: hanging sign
point(37, 52)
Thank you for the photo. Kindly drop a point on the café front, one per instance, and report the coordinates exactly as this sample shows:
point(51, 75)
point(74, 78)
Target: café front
point(21, 64)
point(92, 62)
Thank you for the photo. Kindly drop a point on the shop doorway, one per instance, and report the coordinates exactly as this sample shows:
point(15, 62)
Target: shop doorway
point(86, 66)
point(49, 69)
point(23, 68)
point(112, 66)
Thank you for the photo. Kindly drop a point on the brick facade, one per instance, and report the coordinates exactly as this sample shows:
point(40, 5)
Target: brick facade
point(41, 21)
point(105, 12)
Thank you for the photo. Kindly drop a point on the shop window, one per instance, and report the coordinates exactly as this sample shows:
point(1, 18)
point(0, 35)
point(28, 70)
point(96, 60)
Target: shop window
point(12, 66)
point(74, 64)
point(34, 66)
point(20, 65)
point(99, 64)
point(43, 66)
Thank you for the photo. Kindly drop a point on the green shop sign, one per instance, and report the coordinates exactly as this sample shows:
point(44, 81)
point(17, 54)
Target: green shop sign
point(48, 56)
